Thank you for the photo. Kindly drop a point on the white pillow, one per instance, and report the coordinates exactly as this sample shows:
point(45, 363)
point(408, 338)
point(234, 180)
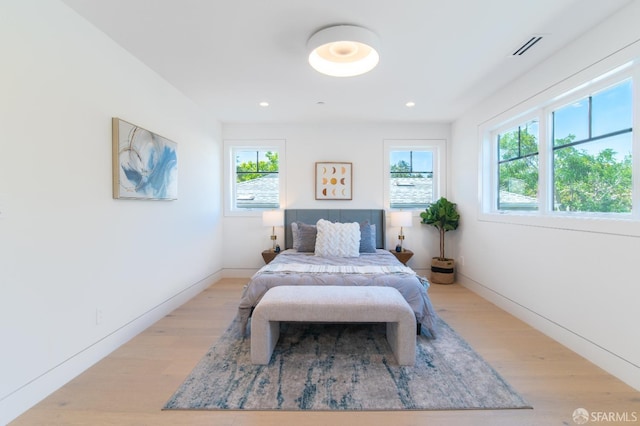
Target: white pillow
point(337, 239)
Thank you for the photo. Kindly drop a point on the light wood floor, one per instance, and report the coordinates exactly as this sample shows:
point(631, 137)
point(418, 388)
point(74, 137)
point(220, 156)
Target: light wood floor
point(130, 386)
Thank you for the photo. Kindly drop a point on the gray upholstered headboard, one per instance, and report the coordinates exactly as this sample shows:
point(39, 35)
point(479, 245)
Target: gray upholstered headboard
point(311, 216)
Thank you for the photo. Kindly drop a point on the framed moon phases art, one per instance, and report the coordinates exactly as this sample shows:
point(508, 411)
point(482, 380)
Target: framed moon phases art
point(333, 181)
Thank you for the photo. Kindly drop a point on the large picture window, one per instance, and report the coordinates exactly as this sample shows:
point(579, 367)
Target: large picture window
point(570, 156)
point(592, 145)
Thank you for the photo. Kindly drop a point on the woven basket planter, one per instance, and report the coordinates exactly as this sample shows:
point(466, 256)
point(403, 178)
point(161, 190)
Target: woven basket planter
point(442, 271)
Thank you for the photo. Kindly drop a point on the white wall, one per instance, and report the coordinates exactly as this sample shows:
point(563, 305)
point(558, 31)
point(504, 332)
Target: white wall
point(67, 249)
point(360, 144)
point(579, 287)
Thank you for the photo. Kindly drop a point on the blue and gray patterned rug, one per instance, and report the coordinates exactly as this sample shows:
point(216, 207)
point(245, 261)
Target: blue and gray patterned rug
point(343, 367)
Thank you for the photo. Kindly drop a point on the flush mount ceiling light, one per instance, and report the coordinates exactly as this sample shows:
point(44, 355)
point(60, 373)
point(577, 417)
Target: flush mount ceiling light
point(343, 51)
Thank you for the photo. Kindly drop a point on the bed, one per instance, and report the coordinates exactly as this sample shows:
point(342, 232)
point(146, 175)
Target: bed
point(318, 261)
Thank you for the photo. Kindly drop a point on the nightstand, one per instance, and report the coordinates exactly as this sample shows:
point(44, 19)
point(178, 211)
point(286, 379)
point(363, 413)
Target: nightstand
point(268, 255)
point(402, 256)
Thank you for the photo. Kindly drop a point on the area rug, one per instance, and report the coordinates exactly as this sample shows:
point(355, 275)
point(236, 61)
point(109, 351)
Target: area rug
point(343, 367)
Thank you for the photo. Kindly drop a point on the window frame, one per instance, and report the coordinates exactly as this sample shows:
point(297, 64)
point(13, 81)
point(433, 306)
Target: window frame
point(437, 147)
point(572, 89)
point(229, 193)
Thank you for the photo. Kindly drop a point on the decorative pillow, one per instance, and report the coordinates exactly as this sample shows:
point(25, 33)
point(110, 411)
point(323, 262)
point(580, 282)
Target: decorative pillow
point(304, 236)
point(367, 238)
point(337, 239)
point(294, 234)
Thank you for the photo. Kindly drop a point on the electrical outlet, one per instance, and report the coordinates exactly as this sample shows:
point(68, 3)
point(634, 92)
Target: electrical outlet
point(461, 260)
point(99, 316)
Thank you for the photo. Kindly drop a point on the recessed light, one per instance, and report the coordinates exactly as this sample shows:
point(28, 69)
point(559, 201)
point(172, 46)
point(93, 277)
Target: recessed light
point(264, 104)
point(410, 104)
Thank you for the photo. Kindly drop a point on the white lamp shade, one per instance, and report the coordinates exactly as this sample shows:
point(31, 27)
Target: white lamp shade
point(401, 219)
point(273, 218)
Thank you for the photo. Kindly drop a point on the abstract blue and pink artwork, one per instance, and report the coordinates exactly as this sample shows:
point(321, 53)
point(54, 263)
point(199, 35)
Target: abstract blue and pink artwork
point(145, 165)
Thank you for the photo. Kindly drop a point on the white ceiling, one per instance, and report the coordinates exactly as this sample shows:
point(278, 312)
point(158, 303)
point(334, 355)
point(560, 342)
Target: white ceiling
point(228, 55)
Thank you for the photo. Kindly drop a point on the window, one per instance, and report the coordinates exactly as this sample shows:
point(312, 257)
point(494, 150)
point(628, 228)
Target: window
point(518, 167)
point(592, 140)
point(568, 156)
point(413, 176)
point(256, 179)
point(254, 176)
point(411, 179)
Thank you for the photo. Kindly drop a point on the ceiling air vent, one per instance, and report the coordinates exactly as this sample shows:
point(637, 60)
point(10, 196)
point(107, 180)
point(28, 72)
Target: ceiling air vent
point(526, 46)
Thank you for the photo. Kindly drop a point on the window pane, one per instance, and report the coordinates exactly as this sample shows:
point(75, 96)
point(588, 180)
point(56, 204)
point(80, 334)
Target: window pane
point(257, 179)
point(411, 179)
point(518, 184)
point(611, 109)
point(508, 145)
point(422, 161)
point(571, 123)
point(400, 161)
point(518, 168)
point(529, 138)
point(594, 177)
point(518, 142)
point(245, 157)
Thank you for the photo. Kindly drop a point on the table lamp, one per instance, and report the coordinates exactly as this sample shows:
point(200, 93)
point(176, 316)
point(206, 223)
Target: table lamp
point(403, 220)
point(273, 218)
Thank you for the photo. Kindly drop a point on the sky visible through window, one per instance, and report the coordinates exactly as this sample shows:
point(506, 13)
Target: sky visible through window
point(611, 111)
point(250, 156)
point(422, 160)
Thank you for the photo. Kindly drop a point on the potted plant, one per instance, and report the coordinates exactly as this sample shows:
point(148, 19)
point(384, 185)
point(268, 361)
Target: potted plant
point(443, 215)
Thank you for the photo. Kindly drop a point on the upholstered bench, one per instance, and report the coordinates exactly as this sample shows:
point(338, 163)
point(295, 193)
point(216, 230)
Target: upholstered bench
point(333, 304)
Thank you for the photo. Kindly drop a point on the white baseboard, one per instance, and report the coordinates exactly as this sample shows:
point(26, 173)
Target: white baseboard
point(603, 358)
point(25, 397)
